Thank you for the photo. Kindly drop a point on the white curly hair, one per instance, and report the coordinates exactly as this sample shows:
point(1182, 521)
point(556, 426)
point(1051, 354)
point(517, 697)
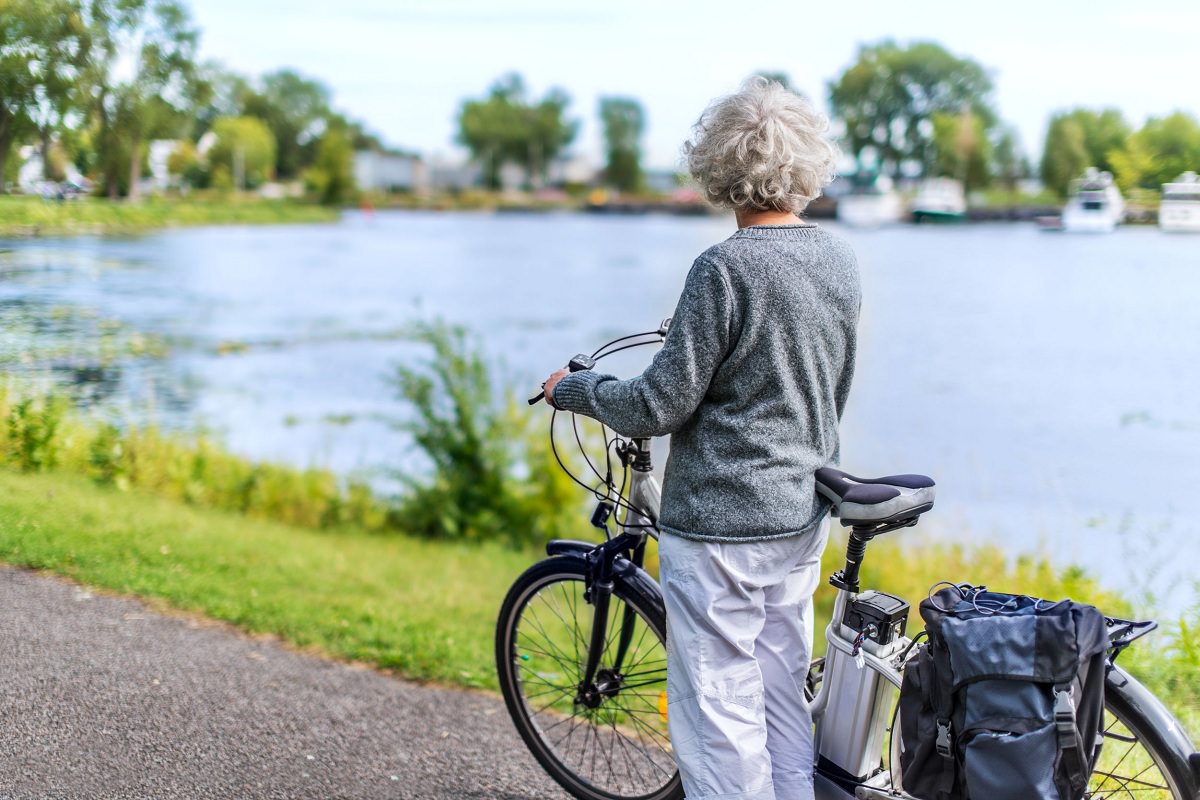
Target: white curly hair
point(762, 148)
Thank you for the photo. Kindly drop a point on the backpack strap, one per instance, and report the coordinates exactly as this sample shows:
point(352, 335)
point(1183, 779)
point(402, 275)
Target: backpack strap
point(1070, 746)
point(943, 708)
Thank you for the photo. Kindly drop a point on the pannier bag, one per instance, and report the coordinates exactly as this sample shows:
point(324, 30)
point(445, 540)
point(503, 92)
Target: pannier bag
point(1006, 699)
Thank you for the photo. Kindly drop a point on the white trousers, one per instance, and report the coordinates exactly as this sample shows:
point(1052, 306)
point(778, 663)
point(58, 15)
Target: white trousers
point(739, 640)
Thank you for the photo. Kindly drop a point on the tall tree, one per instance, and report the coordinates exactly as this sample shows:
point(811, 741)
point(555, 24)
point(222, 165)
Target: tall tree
point(1103, 132)
point(331, 176)
point(1008, 159)
point(961, 148)
point(505, 127)
point(888, 97)
point(155, 38)
point(245, 150)
point(1065, 155)
point(42, 49)
point(296, 109)
point(1164, 148)
point(218, 92)
point(623, 121)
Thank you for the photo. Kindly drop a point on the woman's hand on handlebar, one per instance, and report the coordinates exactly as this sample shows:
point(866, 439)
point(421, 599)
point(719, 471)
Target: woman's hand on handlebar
point(551, 382)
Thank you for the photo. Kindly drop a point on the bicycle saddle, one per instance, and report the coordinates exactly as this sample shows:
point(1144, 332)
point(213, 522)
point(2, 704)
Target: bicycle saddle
point(870, 501)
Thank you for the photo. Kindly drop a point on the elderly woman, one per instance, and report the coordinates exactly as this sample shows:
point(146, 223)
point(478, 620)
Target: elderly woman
point(751, 382)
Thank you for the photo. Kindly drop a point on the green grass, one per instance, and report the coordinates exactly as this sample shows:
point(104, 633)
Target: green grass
point(425, 609)
point(32, 216)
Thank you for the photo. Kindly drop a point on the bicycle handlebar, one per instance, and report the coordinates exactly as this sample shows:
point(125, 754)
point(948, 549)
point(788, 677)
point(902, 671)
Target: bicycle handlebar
point(583, 362)
point(579, 363)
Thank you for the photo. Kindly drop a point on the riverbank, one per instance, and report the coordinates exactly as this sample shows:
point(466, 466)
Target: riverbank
point(32, 216)
point(425, 609)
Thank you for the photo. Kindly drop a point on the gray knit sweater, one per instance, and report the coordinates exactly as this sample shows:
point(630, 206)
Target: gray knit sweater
point(751, 382)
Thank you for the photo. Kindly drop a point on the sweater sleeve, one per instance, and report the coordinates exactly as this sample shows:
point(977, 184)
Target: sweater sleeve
point(662, 398)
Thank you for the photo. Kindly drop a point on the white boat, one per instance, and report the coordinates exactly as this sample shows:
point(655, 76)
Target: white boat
point(1096, 205)
point(870, 205)
point(1180, 209)
point(939, 200)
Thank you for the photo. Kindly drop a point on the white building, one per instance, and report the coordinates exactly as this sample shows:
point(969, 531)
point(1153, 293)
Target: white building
point(159, 154)
point(389, 172)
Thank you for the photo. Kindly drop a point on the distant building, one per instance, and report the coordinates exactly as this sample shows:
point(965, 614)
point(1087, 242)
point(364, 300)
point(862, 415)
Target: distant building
point(30, 180)
point(389, 172)
point(453, 175)
point(29, 175)
point(661, 181)
point(570, 170)
point(159, 154)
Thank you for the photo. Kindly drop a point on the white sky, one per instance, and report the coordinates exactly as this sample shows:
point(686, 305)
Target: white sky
point(403, 67)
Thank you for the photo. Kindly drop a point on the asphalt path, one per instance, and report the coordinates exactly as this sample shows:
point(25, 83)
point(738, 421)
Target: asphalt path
point(101, 697)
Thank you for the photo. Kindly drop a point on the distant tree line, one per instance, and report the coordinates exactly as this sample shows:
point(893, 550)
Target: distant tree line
point(920, 110)
point(507, 126)
point(92, 82)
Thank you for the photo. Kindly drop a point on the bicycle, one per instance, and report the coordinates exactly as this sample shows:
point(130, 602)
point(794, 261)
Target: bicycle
point(582, 662)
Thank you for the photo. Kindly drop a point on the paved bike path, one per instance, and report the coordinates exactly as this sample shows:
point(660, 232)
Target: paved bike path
point(102, 698)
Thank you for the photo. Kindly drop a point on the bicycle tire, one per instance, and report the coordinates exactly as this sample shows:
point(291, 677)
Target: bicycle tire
point(1137, 725)
point(642, 746)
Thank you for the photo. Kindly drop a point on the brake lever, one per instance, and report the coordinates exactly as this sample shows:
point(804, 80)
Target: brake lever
point(580, 363)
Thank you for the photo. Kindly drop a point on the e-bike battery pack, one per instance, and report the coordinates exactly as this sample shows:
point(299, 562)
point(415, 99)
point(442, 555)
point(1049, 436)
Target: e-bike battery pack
point(882, 617)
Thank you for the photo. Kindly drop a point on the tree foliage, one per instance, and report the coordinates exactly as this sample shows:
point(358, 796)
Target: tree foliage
point(623, 121)
point(961, 148)
point(508, 127)
point(297, 111)
point(1164, 148)
point(888, 97)
point(245, 148)
point(331, 177)
point(43, 47)
point(1065, 155)
point(157, 39)
point(1009, 163)
point(1078, 139)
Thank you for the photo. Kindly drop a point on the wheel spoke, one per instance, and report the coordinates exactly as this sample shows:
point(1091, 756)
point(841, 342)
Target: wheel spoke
point(607, 748)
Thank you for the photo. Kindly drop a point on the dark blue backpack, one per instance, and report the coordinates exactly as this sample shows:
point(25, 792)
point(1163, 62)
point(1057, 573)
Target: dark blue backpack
point(1006, 699)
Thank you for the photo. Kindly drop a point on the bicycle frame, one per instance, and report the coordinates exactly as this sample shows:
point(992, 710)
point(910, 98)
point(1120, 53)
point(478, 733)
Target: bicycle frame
point(851, 708)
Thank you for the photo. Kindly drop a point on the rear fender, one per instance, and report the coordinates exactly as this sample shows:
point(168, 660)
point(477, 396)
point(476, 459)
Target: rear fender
point(1167, 734)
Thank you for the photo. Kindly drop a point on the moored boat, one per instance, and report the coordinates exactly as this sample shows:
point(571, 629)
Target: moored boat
point(939, 200)
point(1096, 205)
point(870, 203)
point(1180, 209)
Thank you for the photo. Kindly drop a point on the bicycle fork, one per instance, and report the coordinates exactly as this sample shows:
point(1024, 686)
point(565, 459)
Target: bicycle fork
point(596, 684)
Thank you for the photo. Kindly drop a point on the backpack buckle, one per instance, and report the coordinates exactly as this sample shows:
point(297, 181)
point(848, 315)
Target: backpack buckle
point(1064, 718)
point(942, 742)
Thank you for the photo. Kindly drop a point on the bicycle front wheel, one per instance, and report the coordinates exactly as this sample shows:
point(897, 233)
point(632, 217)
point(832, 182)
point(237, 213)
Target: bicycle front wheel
point(608, 740)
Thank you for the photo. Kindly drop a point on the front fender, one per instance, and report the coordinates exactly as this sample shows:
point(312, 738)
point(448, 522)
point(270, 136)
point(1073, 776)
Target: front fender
point(624, 569)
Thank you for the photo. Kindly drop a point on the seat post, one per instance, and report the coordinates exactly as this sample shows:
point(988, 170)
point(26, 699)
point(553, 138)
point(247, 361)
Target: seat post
point(856, 550)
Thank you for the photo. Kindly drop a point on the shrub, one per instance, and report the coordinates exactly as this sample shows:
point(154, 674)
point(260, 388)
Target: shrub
point(32, 428)
point(493, 475)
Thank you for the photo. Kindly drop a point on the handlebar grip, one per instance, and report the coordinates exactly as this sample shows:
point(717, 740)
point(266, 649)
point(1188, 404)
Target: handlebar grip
point(533, 401)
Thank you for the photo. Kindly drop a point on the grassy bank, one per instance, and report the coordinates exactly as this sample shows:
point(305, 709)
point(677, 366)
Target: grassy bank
point(32, 216)
point(426, 609)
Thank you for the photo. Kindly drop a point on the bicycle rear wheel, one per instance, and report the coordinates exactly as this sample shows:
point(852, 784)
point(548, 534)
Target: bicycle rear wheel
point(1135, 762)
point(608, 741)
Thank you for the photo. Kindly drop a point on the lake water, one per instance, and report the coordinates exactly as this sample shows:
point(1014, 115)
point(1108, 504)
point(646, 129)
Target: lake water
point(1050, 383)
